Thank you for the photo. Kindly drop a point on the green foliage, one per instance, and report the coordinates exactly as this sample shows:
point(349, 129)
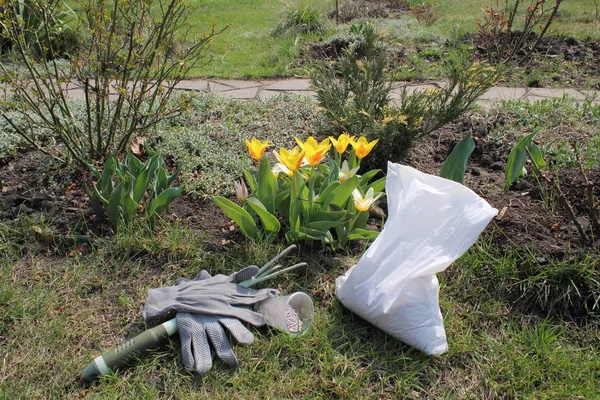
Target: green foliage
point(355, 96)
point(299, 19)
point(47, 27)
point(515, 165)
point(313, 203)
point(355, 89)
point(455, 165)
point(208, 140)
point(128, 69)
point(125, 188)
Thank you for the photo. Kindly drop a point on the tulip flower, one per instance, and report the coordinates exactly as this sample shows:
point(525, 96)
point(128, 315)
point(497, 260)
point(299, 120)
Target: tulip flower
point(346, 172)
point(292, 160)
point(362, 147)
point(278, 168)
point(241, 191)
point(315, 151)
point(364, 203)
point(256, 148)
point(341, 143)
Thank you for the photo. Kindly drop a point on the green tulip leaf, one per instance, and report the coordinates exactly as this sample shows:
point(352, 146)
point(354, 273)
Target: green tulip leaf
point(326, 192)
point(378, 186)
point(324, 226)
point(113, 209)
point(250, 181)
point(340, 195)
point(537, 156)
point(266, 188)
point(362, 234)
point(241, 217)
point(270, 223)
point(367, 176)
point(162, 201)
point(516, 159)
point(456, 164)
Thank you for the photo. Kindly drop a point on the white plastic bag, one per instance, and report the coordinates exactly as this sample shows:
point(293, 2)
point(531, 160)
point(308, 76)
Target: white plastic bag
point(431, 222)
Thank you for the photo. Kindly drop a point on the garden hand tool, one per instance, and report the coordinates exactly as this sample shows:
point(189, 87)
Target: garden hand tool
point(151, 338)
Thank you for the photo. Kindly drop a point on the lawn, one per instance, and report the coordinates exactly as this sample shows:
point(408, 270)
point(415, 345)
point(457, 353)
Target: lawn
point(521, 307)
point(518, 316)
point(247, 49)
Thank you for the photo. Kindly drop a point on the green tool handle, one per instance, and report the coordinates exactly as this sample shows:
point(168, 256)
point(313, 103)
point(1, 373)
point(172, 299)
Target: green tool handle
point(129, 350)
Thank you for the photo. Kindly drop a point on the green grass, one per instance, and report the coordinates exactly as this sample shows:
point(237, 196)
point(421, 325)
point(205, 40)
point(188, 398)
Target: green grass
point(247, 49)
point(512, 330)
point(60, 312)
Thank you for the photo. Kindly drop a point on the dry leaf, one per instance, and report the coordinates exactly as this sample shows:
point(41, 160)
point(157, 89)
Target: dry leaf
point(501, 213)
point(137, 145)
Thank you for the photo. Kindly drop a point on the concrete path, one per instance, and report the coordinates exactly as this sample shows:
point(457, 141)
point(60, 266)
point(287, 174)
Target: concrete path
point(265, 89)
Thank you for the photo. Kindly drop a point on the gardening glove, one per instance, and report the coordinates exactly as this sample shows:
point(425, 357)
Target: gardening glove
point(196, 329)
point(216, 295)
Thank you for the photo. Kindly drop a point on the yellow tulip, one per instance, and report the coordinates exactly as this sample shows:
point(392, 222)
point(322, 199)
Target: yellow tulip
point(292, 160)
point(256, 148)
point(364, 203)
point(362, 147)
point(315, 151)
point(342, 142)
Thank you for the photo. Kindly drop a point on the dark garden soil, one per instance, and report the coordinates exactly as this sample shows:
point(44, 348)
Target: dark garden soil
point(556, 61)
point(568, 61)
point(530, 215)
point(34, 186)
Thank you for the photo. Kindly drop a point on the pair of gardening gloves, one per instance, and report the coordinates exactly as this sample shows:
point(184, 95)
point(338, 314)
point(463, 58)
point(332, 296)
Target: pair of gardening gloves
point(205, 306)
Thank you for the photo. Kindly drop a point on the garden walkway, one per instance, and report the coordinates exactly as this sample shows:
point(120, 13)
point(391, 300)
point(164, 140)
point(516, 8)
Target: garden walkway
point(265, 89)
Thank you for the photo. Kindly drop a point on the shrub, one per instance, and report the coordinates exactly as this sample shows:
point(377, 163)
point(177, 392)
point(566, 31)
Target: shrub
point(502, 42)
point(354, 93)
point(128, 69)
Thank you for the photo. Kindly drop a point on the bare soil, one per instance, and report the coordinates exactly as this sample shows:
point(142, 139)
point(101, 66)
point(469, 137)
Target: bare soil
point(557, 61)
point(530, 217)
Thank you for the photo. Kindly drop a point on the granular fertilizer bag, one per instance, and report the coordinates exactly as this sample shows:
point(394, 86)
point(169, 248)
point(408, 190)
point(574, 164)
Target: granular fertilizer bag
point(431, 222)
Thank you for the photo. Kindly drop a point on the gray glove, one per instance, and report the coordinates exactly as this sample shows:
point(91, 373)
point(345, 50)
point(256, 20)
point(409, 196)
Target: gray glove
point(196, 329)
point(217, 295)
